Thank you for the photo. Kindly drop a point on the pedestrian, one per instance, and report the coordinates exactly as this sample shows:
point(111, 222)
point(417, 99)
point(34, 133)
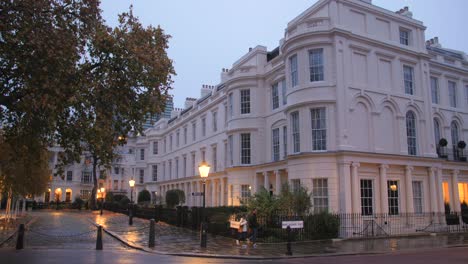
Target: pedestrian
point(242, 231)
point(253, 224)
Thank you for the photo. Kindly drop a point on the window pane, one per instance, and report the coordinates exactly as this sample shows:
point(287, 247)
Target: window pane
point(275, 96)
point(408, 74)
point(367, 198)
point(316, 65)
point(393, 199)
point(293, 68)
point(245, 101)
point(320, 195)
point(418, 197)
point(319, 129)
point(275, 144)
point(245, 149)
point(295, 132)
point(411, 133)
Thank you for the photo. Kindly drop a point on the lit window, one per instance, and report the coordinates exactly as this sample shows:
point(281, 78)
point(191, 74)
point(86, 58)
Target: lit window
point(393, 199)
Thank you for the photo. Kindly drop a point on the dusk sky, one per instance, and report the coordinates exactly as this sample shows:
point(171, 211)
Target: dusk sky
point(208, 35)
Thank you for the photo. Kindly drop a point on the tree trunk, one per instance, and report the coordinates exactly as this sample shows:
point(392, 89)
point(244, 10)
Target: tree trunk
point(93, 204)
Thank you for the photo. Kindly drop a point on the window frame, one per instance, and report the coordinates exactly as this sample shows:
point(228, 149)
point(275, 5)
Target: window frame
point(409, 84)
point(245, 149)
point(245, 101)
point(366, 188)
point(418, 196)
point(435, 92)
point(318, 118)
point(393, 197)
point(320, 195)
point(275, 144)
point(405, 39)
point(295, 132)
point(274, 96)
point(316, 65)
point(154, 175)
point(293, 70)
point(411, 133)
point(452, 92)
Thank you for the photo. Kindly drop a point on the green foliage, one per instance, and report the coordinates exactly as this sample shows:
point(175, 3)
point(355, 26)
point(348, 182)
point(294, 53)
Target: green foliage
point(181, 195)
point(322, 225)
point(78, 203)
point(144, 196)
point(172, 198)
point(109, 197)
point(265, 203)
point(119, 197)
point(124, 202)
point(296, 202)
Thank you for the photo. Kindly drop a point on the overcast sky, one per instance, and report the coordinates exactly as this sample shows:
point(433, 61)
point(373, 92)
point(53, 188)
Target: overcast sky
point(208, 35)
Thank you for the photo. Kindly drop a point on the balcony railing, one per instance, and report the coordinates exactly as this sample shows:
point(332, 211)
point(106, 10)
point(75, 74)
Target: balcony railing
point(452, 154)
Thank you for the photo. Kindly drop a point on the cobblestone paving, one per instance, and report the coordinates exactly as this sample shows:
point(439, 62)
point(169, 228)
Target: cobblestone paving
point(176, 240)
point(63, 230)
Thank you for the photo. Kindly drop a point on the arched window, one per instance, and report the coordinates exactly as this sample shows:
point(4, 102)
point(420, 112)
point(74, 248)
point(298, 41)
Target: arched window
point(454, 133)
point(411, 132)
point(436, 131)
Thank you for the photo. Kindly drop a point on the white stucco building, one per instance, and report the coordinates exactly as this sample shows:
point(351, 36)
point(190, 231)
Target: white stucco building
point(351, 105)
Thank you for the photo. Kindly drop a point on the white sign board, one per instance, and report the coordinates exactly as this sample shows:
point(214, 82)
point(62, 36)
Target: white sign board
point(235, 224)
point(292, 224)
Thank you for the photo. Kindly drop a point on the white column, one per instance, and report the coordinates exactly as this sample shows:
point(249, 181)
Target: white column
point(409, 189)
point(440, 194)
point(278, 182)
point(212, 191)
point(255, 183)
point(455, 196)
point(223, 191)
point(355, 187)
point(266, 182)
point(433, 193)
point(345, 188)
point(383, 189)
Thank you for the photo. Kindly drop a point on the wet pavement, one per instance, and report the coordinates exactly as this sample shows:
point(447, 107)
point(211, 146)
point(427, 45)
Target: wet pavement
point(174, 240)
point(63, 230)
point(7, 228)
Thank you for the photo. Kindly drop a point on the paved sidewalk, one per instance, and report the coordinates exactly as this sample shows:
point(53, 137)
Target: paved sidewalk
point(181, 241)
point(8, 229)
point(62, 230)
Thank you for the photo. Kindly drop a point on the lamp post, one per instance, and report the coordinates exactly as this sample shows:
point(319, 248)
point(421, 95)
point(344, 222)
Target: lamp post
point(130, 212)
point(204, 170)
point(102, 198)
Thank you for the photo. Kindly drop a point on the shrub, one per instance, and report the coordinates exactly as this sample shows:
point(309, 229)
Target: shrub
point(144, 196)
point(172, 198)
point(118, 197)
point(443, 142)
point(78, 203)
point(109, 197)
point(462, 144)
point(124, 202)
point(322, 225)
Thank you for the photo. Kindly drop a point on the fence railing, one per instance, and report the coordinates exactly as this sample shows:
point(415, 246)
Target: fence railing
point(315, 226)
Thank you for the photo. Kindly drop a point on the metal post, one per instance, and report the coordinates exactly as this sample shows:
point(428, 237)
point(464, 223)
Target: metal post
point(130, 214)
point(99, 238)
point(288, 245)
point(102, 204)
point(152, 235)
point(203, 224)
point(20, 240)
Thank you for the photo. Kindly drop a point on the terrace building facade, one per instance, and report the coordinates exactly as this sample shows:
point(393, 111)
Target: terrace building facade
point(352, 105)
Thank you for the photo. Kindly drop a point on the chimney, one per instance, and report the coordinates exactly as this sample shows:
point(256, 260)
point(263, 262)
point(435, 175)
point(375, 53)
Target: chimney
point(189, 101)
point(206, 90)
point(405, 12)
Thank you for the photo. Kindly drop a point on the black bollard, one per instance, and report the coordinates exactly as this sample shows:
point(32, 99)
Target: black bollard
point(204, 227)
point(130, 215)
point(99, 238)
point(20, 240)
point(152, 235)
point(288, 245)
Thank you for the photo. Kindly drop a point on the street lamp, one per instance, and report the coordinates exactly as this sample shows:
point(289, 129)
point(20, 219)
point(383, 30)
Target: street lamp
point(130, 212)
point(132, 184)
point(204, 170)
point(102, 198)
